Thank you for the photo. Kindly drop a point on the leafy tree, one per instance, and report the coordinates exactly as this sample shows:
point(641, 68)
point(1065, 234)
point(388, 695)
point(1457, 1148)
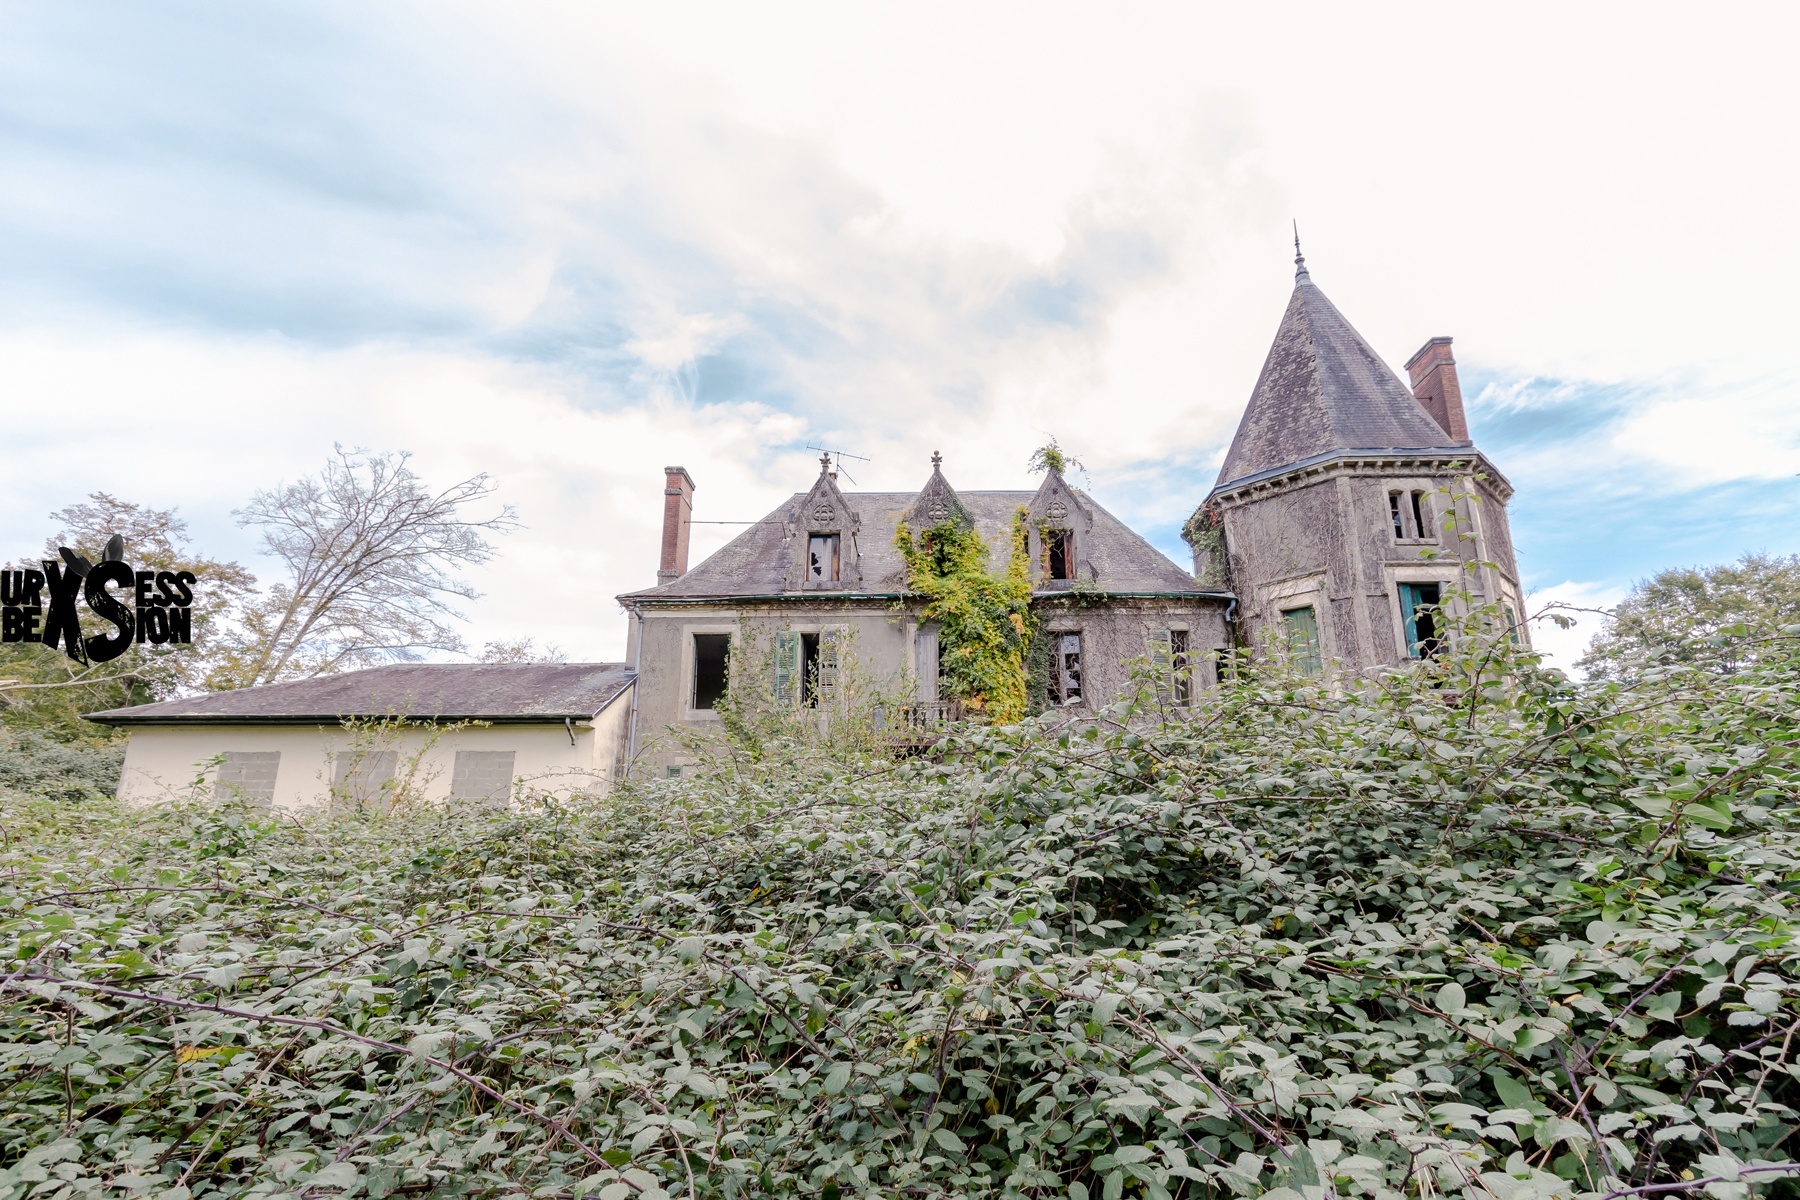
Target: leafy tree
point(1464, 929)
point(370, 553)
point(1713, 615)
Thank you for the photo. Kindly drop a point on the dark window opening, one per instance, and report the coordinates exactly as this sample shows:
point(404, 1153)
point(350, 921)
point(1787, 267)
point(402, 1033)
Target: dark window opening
point(1178, 663)
point(809, 669)
point(822, 558)
point(1419, 508)
point(1419, 609)
point(1065, 668)
point(1394, 511)
point(1512, 624)
point(712, 664)
point(1059, 548)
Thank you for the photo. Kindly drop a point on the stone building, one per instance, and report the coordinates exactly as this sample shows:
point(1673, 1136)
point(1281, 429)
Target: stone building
point(1351, 510)
point(1351, 507)
point(818, 587)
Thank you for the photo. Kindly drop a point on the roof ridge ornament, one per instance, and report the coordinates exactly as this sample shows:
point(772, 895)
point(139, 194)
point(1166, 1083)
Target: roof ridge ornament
point(1300, 275)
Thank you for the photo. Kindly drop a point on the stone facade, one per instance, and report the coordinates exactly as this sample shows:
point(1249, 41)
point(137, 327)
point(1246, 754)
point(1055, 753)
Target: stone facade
point(822, 578)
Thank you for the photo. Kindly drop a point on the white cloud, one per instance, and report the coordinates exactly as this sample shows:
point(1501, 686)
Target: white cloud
point(201, 426)
point(1583, 604)
point(569, 244)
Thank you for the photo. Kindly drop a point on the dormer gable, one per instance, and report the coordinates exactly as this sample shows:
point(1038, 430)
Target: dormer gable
point(936, 503)
point(1059, 524)
point(823, 532)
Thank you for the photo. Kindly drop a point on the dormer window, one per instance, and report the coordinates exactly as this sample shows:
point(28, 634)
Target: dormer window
point(822, 558)
point(1394, 512)
point(1059, 553)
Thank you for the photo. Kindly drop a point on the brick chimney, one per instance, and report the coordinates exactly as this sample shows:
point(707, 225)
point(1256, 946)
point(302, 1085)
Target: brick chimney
point(678, 519)
point(1434, 384)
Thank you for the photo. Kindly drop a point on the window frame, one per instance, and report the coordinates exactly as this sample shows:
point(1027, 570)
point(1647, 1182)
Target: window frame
point(693, 673)
point(1412, 519)
point(835, 568)
point(1060, 691)
point(1059, 543)
point(1420, 647)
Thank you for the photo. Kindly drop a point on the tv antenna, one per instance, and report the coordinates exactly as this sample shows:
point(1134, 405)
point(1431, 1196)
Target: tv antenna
point(838, 457)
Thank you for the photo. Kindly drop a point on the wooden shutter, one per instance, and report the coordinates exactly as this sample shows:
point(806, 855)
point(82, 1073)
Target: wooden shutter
point(830, 648)
point(925, 646)
point(787, 667)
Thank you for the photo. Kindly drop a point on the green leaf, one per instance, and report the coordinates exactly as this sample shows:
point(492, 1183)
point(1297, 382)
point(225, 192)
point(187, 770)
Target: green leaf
point(1451, 998)
point(948, 1141)
point(837, 1078)
point(1512, 1093)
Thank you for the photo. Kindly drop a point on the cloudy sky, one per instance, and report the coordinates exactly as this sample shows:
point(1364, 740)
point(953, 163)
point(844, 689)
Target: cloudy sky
point(567, 244)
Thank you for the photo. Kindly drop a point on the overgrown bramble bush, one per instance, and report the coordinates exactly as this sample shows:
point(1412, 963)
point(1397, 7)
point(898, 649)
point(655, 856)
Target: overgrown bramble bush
point(1467, 930)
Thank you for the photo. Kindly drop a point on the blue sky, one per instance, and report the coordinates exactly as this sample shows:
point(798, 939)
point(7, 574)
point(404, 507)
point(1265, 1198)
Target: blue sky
point(568, 244)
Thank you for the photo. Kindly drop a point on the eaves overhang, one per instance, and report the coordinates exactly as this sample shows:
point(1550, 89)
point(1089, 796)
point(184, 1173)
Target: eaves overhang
point(121, 717)
point(1383, 459)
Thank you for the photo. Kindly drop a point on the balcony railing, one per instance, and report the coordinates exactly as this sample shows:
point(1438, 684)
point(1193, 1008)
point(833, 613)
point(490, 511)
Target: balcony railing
point(923, 721)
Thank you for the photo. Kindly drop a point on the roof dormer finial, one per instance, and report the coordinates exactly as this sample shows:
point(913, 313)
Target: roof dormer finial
point(937, 460)
point(825, 463)
point(1300, 275)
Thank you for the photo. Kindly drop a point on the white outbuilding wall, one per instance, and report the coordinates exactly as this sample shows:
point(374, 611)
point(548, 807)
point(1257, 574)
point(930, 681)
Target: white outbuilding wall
point(320, 764)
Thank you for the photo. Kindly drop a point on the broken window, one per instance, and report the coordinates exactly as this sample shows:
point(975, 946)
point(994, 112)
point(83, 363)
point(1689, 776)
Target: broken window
point(1421, 525)
point(1302, 628)
point(712, 664)
point(248, 775)
point(1065, 668)
point(822, 558)
point(1419, 611)
point(1180, 675)
point(1394, 511)
point(1169, 656)
point(1059, 553)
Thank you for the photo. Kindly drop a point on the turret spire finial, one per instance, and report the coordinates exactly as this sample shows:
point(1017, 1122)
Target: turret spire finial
point(1300, 275)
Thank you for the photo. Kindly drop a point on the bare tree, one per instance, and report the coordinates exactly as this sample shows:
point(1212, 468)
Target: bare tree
point(371, 551)
point(522, 650)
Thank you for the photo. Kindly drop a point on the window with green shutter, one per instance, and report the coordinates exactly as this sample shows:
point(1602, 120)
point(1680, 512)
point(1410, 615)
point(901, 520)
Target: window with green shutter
point(1419, 611)
point(787, 667)
point(1302, 627)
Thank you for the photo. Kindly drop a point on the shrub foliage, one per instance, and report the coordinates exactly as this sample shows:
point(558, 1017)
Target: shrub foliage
point(1467, 930)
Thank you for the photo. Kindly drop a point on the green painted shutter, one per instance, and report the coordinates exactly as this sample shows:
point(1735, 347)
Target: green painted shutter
point(829, 641)
point(1303, 639)
point(787, 667)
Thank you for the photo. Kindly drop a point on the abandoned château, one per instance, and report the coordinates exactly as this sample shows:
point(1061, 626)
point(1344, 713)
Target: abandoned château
point(1350, 511)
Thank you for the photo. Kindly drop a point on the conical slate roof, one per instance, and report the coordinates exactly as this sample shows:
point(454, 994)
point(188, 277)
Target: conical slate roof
point(1323, 390)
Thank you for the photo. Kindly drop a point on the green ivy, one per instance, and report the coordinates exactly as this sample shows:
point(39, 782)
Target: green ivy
point(985, 624)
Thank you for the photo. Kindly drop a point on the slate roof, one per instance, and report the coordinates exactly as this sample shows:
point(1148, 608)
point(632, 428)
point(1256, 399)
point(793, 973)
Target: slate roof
point(1324, 390)
point(506, 693)
point(754, 563)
